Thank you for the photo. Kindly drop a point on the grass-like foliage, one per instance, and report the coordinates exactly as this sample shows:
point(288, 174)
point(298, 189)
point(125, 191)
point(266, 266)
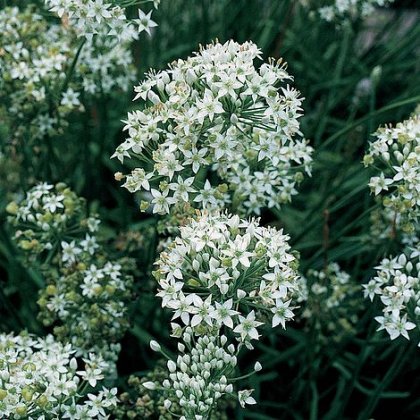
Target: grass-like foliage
point(209, 209)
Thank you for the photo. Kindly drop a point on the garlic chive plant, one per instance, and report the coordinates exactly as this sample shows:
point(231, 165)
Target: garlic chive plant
point(45, 78)
point(223, 278)
point(218, 131)
point(41, 379)
point(90, 17)
point(397, 284)
point(395, 155)
point(87, 293)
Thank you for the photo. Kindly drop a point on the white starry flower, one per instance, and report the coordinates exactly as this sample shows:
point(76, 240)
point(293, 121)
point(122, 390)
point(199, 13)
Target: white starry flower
point(145, 22)
point(247, 327)
point(69, 252)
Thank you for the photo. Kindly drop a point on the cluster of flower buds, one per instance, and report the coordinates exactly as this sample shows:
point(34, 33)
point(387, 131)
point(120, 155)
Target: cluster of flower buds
point(91, 17)
point(330, 301)
point(44, 76)
point(87, 294)
point(217, 132)
point(397, 283)
point(396, 153)
point(201, 376)
point(41, 379)
point(146, 403)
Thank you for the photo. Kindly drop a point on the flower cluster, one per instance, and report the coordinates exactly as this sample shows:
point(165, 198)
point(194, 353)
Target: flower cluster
point(146, 403)
point(397, 283)
point(53, 219)
point(90, 17)
point(343, 10)
point(88, 306)
point(218, 132)
point(226, 272)
point(223, 278)
point(396, 152)
point(201, 376)
point(44, 78)
point(41, 379)
point(87, 293)
point(330, 301)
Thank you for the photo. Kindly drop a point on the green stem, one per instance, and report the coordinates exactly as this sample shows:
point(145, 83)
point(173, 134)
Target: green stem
point(396, 366)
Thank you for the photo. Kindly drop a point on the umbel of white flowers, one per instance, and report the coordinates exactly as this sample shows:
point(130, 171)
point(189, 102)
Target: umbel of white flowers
point(218, 132)
point(37, 54)
point(86, 294)
point(397, 283)
point(90, 17)
point(41, 379)
point(396, 152)
point(224, 272)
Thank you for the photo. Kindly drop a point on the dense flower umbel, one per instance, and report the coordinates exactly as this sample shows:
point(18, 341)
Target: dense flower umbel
point(396, 153)
point(397, 283)
point(330, 302)
point(201, 375)
point(343, 10)
point(36, 59)
point(216, 131)
point(88, 307)
point(90, 17)
point(41, 379)
point(53, 219)
point(226, 272)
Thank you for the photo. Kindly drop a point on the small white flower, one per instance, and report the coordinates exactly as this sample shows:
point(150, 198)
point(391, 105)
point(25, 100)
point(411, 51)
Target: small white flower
point(245, 397)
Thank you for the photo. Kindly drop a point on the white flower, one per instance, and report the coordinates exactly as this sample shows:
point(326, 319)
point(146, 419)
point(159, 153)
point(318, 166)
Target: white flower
point(145, 22)
point(69, 252)
point(70, 98)
point(89, 244)
point(245, 397)
point(53, 202)
point(247, 327)
point(223, 313)
point(282, 313)
point(161, 201)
